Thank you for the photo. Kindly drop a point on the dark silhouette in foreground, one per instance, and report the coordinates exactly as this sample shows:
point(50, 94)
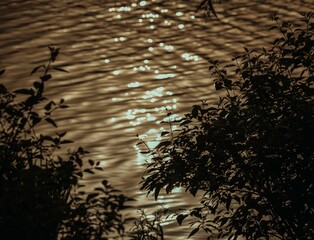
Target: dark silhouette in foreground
point(40, 194)
point(251, 155)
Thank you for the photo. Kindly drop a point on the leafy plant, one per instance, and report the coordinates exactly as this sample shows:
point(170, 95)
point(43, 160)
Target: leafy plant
point(208, 8)
point(251, 155)
point(40, 192)
point(146, 227)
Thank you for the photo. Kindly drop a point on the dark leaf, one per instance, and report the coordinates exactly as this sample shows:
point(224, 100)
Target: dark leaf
point(60, 69)
point(25, 91)
point(3, 89)
point(164, 133)
point(89, 171)
point(46, 77)
point(36, 68)
point(52, 122)
point(193, 232)
point(181, 217)
point(157, 190)
point(91, 196)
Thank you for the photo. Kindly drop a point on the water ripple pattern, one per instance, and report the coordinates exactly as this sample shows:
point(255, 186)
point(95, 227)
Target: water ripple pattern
point(128, 62)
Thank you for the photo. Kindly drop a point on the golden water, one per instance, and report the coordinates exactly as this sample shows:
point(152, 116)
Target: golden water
point(128, 62)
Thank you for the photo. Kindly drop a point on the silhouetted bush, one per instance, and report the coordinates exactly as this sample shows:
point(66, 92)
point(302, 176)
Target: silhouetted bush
point(40, 194)
point(251, 155)
point(147, 227)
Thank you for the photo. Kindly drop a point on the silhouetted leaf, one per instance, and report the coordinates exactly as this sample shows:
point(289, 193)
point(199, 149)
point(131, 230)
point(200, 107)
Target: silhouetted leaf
point(181, 217)
point(91, 196)
point(25, 91)
point(89, 171)
point(36, 68)
point(193, 232)
point(46, 77)
point(3, 89)
point(157, 190)
point(52, 122)
point(60, 69)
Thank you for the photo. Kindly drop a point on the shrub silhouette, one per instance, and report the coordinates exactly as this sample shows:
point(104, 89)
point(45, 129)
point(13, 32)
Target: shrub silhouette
point(251, 156)
point(40, 194)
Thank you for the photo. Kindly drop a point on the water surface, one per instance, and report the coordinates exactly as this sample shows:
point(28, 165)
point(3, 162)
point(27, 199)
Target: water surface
point(128, 62)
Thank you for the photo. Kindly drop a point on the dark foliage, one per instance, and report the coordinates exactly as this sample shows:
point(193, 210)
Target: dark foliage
point(251, 156)
point(148, 228)
point(40, 195)
point(208, 9)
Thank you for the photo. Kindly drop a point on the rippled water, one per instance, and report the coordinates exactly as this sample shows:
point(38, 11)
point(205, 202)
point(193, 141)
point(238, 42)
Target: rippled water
point(128, 61)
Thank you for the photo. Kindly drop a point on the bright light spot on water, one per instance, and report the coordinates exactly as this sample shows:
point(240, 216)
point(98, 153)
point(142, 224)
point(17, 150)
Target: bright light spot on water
point(134, 123)
point(174, 100)
point(172, 117)
point(142, 136)
point(142, 3)
point(153, 100)
point(164, 76)
point(181, 26)
point(152, 144)
point(122, 39)
point(124, 9)
point(154, 93)
point(116, 39)
point(116, 72)
point(169, 47)
point(152, 27)
point(169, 93)
point(130, 115)
point(150, 40)
point(156, 71)
point(151, 20)
point(164, 10)
point(134, 85)
point(176, 190)
point(152, 131)
point(107, 60)
point(179, 14)
point(118, 16)
point(189, 57)
point(150, 15)
point(161, 44)
point(192, 17)
point(140, 20)
point(113, 119)
point(133, 4)
point(116, 99)
point(146, 61)
point(120, 9)
point(150, 49)
point(150, 117)
point(174, 66)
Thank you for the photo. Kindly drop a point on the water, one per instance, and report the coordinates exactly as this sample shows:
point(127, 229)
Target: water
point(128, 61)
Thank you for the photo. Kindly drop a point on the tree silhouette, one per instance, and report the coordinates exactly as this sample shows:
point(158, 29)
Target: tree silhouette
point(251, 155)
point(40, 193)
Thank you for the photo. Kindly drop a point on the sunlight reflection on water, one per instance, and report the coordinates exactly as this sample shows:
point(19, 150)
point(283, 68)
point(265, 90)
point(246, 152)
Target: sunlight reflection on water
point(129, 64)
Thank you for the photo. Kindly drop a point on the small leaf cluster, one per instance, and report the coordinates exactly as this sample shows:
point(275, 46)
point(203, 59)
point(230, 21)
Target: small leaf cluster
point(250, 156)
point(148, 227)
point(40, 192)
